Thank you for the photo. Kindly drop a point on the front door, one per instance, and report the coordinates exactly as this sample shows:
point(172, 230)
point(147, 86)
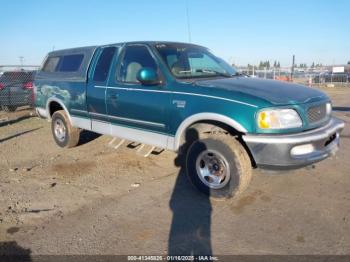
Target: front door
point(133, 105)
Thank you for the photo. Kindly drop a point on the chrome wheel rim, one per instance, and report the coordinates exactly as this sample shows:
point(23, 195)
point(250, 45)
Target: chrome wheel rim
point(213, 169)
point(60, 130)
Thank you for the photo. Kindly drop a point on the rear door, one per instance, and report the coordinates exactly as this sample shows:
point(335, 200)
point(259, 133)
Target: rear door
point(97, 87)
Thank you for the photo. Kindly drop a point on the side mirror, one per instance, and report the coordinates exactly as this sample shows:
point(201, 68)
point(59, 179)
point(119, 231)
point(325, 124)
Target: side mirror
point(148, 76)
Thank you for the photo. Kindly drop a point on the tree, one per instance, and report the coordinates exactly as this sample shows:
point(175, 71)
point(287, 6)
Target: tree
point(348, 62)
point(261, 65)
point(313, 65)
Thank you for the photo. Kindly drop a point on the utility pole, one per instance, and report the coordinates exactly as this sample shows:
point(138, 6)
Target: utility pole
point(292, 71)
point(188, 23)
point(21, 59)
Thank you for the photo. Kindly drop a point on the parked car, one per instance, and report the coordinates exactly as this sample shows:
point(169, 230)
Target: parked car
point(183, 98)
point(16, 89)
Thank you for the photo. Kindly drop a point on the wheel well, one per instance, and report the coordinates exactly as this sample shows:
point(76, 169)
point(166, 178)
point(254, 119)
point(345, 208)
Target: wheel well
point(213, 127)
point(53, 107)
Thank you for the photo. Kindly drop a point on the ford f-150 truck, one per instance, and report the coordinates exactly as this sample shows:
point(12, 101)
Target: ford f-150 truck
point(181, 97)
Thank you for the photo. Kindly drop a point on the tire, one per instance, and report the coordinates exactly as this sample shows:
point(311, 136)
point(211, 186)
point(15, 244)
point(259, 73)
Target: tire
point(64, 134)
point(9, 108)
point(218, 166)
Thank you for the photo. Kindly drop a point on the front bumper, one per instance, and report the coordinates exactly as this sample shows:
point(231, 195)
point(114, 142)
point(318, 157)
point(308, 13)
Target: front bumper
point(294, 150)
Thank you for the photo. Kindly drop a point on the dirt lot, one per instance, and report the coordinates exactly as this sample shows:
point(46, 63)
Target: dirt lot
point(93, 199)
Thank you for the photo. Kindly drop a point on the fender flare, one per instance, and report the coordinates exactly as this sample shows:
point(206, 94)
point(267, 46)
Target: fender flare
point(59, 101)
point(203, 117)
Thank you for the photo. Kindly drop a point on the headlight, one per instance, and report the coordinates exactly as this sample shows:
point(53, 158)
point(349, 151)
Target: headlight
point(278, 119)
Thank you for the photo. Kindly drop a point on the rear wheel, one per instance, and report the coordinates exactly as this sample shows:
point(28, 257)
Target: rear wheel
point(219, 166)
point(63, 132)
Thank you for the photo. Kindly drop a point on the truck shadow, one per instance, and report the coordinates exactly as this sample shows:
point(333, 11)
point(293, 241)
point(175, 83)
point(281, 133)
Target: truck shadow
point(11, 251)
point(190, 232)
point(87, 136)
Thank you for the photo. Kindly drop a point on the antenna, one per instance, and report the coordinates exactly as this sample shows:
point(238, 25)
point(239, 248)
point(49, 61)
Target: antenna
point(188, 22)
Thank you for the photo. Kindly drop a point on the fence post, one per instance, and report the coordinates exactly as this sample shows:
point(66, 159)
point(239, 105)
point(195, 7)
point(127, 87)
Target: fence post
point(310, 81)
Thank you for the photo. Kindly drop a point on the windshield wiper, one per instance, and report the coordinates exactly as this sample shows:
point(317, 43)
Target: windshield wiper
point(213, 72)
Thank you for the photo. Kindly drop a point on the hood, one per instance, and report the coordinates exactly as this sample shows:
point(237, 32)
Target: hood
point(275, 92)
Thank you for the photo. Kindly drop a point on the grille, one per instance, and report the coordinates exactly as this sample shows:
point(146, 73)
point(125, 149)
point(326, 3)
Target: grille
point(317, 113)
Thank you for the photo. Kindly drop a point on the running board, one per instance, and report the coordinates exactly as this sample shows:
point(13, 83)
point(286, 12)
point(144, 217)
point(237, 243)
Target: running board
point(141, 149)
point(146, 152)
point(117, 144)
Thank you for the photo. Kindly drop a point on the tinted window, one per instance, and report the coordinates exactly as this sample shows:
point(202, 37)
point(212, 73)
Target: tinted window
point(70, 63)
point(103, 64)
point(51, 64)
point(135, 58)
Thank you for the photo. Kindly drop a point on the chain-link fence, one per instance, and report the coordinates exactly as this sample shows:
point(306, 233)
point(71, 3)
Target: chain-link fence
point(308, 76)
point(16, 88)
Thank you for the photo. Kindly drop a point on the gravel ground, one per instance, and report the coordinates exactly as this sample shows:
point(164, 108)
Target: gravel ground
point(93, 199)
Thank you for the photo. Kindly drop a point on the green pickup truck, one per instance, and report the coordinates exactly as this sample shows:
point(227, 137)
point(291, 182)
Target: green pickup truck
point(181, 97)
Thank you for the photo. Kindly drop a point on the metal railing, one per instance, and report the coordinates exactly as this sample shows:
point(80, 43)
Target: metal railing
point(307, 76)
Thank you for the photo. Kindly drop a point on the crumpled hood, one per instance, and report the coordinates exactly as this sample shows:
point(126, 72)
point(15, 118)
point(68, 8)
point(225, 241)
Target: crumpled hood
point(276, 92)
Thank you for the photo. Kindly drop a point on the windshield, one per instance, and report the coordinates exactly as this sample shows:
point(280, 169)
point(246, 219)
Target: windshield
point(189, 61)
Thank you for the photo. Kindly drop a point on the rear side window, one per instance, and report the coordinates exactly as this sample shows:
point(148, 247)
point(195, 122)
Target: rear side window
point(51, 64)
point(103, 64)
point(70, 63)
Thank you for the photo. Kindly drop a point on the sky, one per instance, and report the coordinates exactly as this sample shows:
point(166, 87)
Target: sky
point(240, 32)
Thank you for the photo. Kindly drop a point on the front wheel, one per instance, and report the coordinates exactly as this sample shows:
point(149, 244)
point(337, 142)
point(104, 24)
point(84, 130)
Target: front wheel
point(63, 132)
point(219, 166)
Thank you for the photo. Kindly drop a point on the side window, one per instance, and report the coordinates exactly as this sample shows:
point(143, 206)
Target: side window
point(171, 59)
point(103, 64)
point(135, 58)
point(70, 63)
point(51, 64)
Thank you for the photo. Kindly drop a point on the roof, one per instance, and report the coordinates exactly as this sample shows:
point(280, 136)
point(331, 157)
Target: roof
point(92, 48)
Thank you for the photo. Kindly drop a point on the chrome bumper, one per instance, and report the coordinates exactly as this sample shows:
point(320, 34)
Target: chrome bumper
point(295, 150)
